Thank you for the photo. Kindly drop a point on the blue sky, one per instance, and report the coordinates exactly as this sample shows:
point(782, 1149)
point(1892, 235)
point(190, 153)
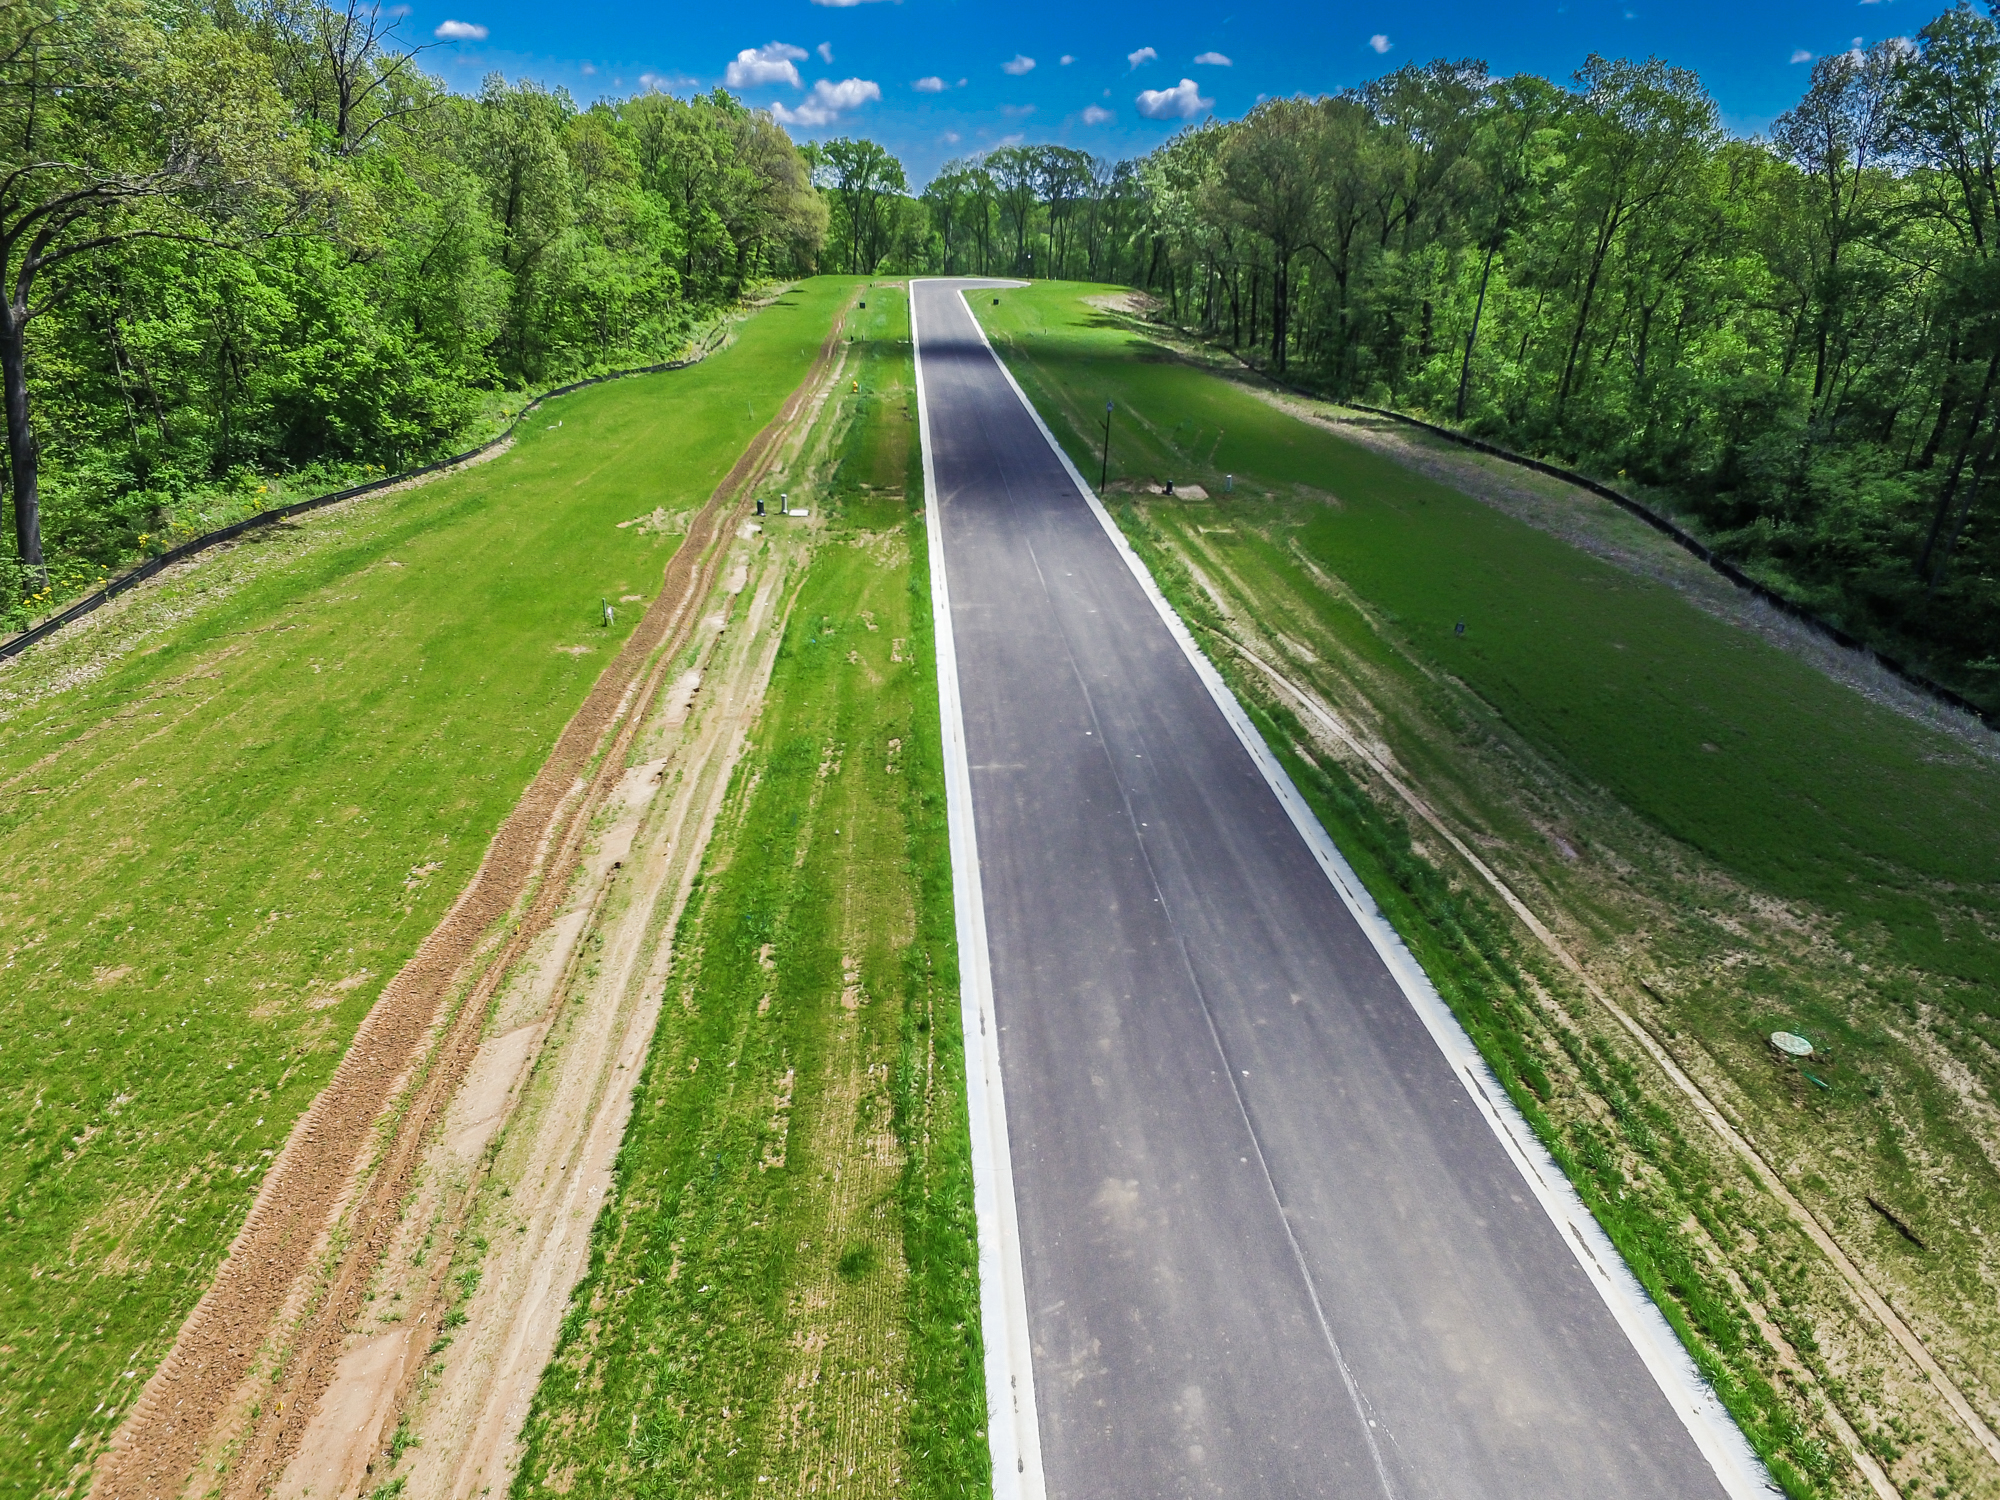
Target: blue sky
point(933, 79)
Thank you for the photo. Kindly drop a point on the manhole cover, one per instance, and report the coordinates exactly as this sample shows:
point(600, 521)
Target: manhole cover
point(1791, 1045)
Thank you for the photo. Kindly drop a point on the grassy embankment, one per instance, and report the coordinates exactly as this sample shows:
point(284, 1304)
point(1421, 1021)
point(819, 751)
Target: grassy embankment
point(1736, 843)
point(235, 804)
point(783, 1289)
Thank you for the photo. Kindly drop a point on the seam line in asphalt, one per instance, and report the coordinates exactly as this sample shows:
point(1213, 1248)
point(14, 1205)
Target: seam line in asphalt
point(1229, 1069)
point(1013, 1434)
point(1715, 1433)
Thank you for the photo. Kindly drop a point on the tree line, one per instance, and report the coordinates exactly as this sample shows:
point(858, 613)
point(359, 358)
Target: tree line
point(259, 240)
point(1792, 342)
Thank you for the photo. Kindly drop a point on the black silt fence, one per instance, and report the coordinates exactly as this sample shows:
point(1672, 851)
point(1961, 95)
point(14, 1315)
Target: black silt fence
point(1699, 549)
point(147, 569)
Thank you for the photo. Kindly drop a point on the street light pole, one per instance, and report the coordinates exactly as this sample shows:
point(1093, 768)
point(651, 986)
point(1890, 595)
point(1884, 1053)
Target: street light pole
point(1104, 473)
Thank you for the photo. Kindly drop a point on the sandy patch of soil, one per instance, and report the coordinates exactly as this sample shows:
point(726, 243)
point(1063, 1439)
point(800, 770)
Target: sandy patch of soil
point(240, 1391)
point(354, 1417)
point(553, 1165)
point(1133, 304)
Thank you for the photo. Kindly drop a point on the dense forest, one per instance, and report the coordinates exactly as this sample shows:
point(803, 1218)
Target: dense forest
point(246, 245)
point(312, 257)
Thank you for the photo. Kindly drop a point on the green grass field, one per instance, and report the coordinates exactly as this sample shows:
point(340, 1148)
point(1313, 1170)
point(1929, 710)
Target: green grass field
point(783, 1288)
point(232, 812)
point(1791, 853)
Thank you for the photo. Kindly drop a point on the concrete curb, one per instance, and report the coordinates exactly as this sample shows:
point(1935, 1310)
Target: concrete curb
point(1013, 1434)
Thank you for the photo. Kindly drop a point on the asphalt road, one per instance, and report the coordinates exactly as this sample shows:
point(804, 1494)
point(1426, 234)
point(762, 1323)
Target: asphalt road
point(1270, 1247)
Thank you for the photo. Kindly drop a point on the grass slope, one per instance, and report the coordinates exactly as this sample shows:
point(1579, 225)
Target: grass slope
point(783, 1287)
point(216, 849)
point(1879, 832)
point(1746, 753)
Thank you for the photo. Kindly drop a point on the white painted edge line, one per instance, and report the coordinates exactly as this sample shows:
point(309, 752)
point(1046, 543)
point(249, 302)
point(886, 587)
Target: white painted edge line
point(1715, 1433)
point(1013, 1432)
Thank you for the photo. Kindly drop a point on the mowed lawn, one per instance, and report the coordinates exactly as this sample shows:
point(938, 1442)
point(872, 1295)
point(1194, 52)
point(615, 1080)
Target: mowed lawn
point(1749, 755)
point(217, 848)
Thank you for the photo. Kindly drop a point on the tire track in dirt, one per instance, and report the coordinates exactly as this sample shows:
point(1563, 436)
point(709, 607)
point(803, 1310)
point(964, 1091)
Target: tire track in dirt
point(470, 1430)
point(400, 1073)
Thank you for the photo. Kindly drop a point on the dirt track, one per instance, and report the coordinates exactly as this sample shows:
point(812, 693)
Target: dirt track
point(262, 1345)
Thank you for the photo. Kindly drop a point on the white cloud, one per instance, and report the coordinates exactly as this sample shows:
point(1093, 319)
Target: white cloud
point(1181, 102)
point(1095, 114)
point(951, 137)
point(774, 62)
point(931, 85)
point(1214, 60)
point(1802, 56)
point(1017, 110)
point(826, 102)
point(1018, 66)
point(589, 69)
point(825, 51)
point(1143, 55)
point(849, 93)
point(460, 31)
point(842, 4)
point(808, 116)
point(1379, 42)
point(1065, 60)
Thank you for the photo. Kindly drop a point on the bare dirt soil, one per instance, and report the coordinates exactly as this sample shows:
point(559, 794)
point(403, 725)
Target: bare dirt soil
point(544, 1104)
point(232, 1404)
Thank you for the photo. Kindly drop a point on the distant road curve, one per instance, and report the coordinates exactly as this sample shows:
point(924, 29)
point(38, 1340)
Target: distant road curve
point(1255, 1220)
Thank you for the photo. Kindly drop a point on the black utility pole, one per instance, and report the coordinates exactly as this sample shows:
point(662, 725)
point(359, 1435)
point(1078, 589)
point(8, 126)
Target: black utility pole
point(1104, 473)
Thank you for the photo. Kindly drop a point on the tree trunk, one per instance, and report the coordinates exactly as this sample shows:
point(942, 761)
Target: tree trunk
point(1964, 518)
point(24, 459)
point(1281, 295)
point(1606, 234)
point(1949, 490)
point(1472, 334)
point(1947, 401)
